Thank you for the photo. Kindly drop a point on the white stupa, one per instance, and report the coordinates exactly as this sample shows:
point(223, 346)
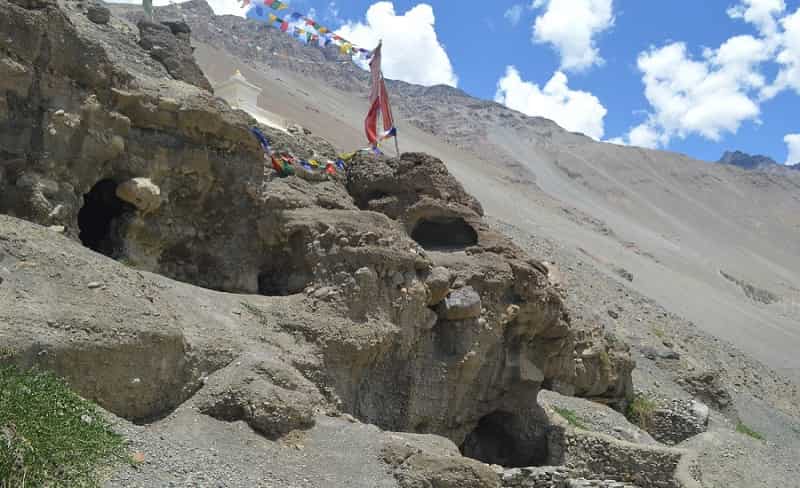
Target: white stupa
point(242, 94)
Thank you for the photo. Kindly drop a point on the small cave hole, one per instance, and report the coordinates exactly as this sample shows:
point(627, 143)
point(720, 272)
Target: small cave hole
point(99, 217)
point(276, 282)
point(498, 439)
point(444, 234)
point(287, 272)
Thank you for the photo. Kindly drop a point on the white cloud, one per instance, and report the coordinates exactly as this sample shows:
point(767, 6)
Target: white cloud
point(760, 13)
point(715, 93)
point(574, 110)
point(709, 95)
point(412, 51)
point(514, 14)
point(788, 57)
point(571, 26)
point(793, 144)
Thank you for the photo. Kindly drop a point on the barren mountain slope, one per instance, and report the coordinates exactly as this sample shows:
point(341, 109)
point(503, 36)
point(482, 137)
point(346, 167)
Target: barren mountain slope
point(716, 244)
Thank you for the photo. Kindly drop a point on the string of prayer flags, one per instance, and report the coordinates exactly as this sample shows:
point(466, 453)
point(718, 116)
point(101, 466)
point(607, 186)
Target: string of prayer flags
point(276, 4)
point(284, 164)
point(291, 25)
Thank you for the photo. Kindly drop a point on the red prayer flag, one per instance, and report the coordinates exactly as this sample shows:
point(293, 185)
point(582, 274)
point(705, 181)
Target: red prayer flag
point(379, 102)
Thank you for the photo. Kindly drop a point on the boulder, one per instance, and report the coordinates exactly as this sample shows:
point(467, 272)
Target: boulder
point(438, 283)
point(269, 395)
point(141, 193)
point(98, 14)
point(169, 44)
point(461, 304)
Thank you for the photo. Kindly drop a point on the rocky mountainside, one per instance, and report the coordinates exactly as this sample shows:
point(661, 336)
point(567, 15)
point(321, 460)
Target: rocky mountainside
point(754, 162)
point(652, 214)
point(378, 327)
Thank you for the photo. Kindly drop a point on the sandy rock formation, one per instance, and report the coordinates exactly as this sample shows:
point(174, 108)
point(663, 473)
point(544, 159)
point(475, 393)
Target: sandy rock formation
point(380, 293)
point(141, 193)
point(168, 43)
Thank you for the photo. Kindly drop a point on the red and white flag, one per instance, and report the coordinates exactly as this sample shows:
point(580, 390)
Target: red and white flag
point(378, 103)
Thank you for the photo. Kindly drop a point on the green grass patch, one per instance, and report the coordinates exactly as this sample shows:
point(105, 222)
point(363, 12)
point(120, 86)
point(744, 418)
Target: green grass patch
point(659, 333)
point(49, 436)
point(640, 411)
point(744, 429)
point(570, 417)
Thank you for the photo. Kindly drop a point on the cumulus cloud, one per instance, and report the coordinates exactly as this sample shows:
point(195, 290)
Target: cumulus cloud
point(761, 13)
point(412, 51)
point(708, 96)
point(514, 14)
point(788, 57)
point(574, 110)
point(793, 144)
point(572, 26)
point(713, 93)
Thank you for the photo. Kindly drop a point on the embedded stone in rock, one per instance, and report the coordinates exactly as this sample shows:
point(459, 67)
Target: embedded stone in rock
point(98, 14)
point(461, 304)
point(99, 218)
point(170, 45)
point(444, 233)
point(438, 283)
point(141, 193)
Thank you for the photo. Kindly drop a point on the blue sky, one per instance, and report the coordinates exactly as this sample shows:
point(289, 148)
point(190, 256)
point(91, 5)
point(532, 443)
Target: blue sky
point(703, 98)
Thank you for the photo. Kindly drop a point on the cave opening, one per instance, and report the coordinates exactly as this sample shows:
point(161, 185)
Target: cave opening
point(99, 218)
point(444, 234)
point(277, 281)
point(287, 272)
point(499, 438)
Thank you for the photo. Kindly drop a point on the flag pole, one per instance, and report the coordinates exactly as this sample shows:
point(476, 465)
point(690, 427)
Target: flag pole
point(396, 145)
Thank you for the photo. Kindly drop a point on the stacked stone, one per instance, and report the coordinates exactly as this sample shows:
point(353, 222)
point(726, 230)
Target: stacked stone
point(584, 483)
point(678, 420)
point(535, 477)
point(552, 477)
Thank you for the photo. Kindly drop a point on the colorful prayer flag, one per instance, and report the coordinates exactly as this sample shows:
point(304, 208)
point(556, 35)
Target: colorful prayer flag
point(272, 18)
point(379, 103)
point(276, 4)
point(322, 30)
point(284, 26)
point(345, 48)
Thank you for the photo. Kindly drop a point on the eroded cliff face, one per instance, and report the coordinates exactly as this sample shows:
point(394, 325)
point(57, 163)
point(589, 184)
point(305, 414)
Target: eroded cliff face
point(379, 292)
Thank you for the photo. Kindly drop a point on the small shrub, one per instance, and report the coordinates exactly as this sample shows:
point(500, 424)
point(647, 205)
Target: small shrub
point(49, 436)
point(640, 411)
point(744, 429)
point(659, 333)
point(570, 417)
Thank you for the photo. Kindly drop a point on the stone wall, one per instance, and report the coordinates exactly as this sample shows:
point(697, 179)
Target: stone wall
point(677, 421)
point(552, 477)
point(598, 455)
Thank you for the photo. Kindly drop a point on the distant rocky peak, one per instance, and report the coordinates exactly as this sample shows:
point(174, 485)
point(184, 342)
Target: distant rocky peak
point(746, 161)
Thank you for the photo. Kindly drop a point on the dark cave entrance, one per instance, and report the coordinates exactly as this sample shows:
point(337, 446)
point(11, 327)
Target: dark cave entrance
point(444, 234)
point(280, 282)
point(287, 272)
point(99, 217)
point(498, 439)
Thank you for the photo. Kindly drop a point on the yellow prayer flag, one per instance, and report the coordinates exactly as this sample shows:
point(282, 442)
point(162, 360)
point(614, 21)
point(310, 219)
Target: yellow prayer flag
point(345, 48)
point(272, 18)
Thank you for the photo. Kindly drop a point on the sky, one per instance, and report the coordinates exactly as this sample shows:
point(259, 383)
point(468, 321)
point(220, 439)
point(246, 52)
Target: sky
point(697, 77)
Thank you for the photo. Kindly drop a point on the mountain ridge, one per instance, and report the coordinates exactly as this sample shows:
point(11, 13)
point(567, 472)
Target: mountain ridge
point(654, 213)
